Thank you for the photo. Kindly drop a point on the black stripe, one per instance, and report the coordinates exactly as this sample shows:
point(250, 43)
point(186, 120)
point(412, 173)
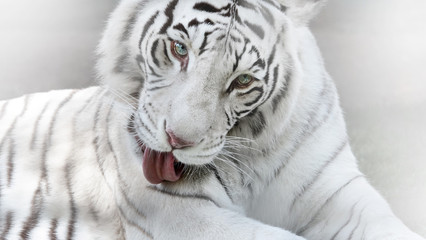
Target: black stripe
point(325, 204)
point(158, 88)
point(273, 3)
point(130, 23)
point(121, 63)
point(93, 212)
point(238, 57)
point(269, 62)
point(256, 29)
point(209, 22)
point(128, 201)
point(48, 140)
point(73, 208)
point(274, 83)
point(207, 7)
point(148, 115)
point(245, 4)
point(142, 124)
point(235, 15)
point(228, 119)
point(319, 172)
point(165, 46)
point(257, 123)
point(314, 122)
point(183, 196)
point(69, 169)
point(237, 60)
point(135, 225)
point(347, 222)
point(230, 48)
point(181, 28)
point(238, 114)
point(195, 23)
point(153, 51)
point(7, 226)
point(238, 40)
point(157, 80)
point(169, 13)
point(141, 64)
point(220, 38)
point(38, 200)
point(204, 44)
point(153, 72)
point(220, 180)
point(256, 100)
point(96, 139)
point(33, 219)
point(117, 167)
point(255, 50)
point(259, 63)
point(267, 15)
point(272, 54)
point(53, 229)
point(11, 162)
point(98, 93)
point(255, 89)
point(36, 126)
point(12, 145)
point(358, 223)
point(148, 24)
point(282, 92)
point(15, 121)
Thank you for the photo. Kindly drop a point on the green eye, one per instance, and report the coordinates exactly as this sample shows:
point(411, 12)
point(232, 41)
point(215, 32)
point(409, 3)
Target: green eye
point(179, 50)
point(244, 80)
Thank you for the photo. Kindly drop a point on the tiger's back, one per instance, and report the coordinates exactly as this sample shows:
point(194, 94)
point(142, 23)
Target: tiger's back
point(50, 184)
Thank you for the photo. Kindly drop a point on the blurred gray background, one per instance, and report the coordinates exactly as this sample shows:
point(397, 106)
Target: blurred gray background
point(374, 49)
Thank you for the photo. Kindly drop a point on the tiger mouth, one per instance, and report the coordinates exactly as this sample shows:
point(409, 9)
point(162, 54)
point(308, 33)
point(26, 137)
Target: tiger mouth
point(161, 167)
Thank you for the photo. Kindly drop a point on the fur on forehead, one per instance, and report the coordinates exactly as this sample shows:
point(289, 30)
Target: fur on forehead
point(302, 11)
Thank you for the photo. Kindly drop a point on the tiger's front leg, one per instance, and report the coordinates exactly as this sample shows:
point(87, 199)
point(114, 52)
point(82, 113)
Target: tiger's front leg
point(178, 216)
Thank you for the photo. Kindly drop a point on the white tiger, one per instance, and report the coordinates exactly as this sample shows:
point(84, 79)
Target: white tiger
point(216, 120)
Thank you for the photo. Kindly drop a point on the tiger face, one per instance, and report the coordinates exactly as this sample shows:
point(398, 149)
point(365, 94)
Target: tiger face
point(202, 67)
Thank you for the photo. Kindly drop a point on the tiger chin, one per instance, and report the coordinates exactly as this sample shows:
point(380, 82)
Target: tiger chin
point(214, 120)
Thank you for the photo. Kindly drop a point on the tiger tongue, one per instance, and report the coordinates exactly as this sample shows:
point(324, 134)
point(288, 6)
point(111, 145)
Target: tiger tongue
point(159, 167)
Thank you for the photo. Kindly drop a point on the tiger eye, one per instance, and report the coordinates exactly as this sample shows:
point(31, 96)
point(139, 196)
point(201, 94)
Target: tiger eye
point(180, 49)
point(243, 81)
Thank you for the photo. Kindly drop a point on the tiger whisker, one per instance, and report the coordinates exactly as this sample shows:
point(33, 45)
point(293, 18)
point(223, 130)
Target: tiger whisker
point(122, 97)
point(239, 145)
point(231, 164)
point(229, 156)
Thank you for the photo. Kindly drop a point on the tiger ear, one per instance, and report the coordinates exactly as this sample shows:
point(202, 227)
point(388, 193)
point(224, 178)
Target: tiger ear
point(302, 11)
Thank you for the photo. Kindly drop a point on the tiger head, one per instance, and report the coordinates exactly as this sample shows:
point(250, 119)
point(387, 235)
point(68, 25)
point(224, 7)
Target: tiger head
point(198, 69)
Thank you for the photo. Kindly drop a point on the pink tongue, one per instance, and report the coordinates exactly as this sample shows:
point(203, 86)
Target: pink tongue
point(159, 167)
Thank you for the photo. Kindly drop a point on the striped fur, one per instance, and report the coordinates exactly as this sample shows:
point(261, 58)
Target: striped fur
point(270, 160)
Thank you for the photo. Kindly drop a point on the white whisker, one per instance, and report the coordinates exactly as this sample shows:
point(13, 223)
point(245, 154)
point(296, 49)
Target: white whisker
point(231, 164)
point(126, 98)
point(228, 155)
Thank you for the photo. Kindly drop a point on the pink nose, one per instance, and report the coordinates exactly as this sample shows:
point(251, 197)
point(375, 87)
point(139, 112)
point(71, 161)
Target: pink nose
point(177, 142)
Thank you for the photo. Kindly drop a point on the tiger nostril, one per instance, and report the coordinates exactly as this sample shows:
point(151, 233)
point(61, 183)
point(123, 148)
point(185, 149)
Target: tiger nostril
point(176, 142)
